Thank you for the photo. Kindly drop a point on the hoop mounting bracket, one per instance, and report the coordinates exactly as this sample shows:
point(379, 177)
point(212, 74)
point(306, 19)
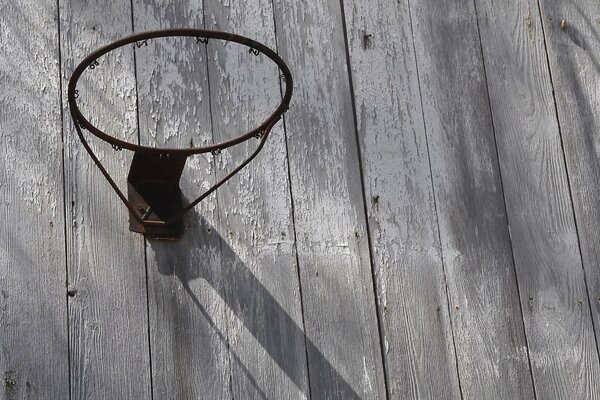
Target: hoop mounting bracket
point(153, 191)
point(154, 199)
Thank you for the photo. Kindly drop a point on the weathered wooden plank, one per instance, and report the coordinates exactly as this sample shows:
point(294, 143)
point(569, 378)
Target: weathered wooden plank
point(33, 307)
point(559, 329)
point(259, 259)
point(418, 338)
point(108, 307)
point(486, 315)
point(575, 69)
point(188, 327)
point(265, 332)
point(344, 352)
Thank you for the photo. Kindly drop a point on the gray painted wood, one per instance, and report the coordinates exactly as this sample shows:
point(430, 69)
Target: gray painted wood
point(256, 222)
point(559, 329)
point(486, 316)
point(268, 355)
point(575, 67)
point(188, 326)
point(344, 352)
point(106, 270)
point(419, 349)
point(33, 306)
point(225, 301)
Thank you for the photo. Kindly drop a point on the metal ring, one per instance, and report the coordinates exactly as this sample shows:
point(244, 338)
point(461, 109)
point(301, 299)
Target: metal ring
point(184, 32)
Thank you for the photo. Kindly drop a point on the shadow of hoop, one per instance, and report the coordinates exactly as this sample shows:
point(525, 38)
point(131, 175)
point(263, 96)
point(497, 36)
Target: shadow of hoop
point(277, 332)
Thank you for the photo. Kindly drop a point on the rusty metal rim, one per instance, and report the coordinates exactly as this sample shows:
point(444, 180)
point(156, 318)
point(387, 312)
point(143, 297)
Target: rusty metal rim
point(261, 132)
point(91, 62)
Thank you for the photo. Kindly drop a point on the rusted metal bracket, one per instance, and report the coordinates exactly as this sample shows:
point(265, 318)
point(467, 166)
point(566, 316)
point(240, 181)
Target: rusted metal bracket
point(153, 191)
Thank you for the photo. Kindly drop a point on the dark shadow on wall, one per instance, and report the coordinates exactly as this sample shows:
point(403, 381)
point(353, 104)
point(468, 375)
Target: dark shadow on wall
point(247, 298)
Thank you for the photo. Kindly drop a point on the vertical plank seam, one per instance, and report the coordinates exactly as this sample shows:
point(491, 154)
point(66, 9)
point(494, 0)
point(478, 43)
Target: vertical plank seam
point(437, 217)
point(562, 147)
point(137, 113)
point(148, 320)
point(137, 100)
point(364, 198)
point(64, 182)
point(512, 253)
point(293, 212)
point(218, 210)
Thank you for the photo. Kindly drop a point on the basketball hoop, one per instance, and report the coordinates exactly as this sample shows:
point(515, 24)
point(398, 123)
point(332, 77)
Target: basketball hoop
point(154, 198)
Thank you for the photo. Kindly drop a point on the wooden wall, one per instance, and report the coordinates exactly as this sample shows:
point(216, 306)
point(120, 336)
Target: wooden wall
point(423, 223)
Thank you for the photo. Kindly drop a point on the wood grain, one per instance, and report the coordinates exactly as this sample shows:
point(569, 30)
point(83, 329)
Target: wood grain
point(559, 329)
point(259, 258)
point(419, 345)
point(486, 316)
point(344, 352)
point(106, 270)
point(575, 68)
point(188, 326)
point(33, 306)
point(223, 317)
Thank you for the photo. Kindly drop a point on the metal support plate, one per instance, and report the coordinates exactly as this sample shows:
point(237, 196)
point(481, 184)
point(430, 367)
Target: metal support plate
point(153, 191)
